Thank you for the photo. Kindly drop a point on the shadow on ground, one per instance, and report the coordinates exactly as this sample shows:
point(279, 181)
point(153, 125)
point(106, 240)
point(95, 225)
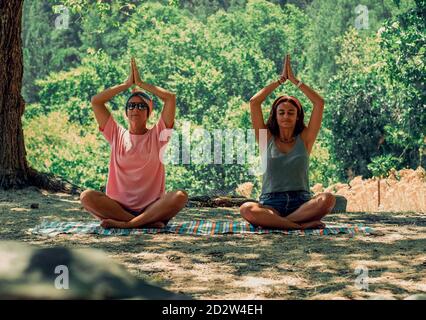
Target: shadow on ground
point(272, 266)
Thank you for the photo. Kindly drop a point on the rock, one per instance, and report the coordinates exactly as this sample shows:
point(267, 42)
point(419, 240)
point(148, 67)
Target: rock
point(341, 204)
point(34, 206)
point(317, 188)
point(245, 189)
point(28, 272)
point(420, 296)
point(378, 297)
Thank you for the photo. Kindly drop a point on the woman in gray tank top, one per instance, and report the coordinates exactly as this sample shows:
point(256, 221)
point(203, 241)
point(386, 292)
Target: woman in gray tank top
point(285, 143)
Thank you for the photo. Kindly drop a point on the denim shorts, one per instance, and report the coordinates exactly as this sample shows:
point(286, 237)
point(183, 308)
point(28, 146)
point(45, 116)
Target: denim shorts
point(285, 202)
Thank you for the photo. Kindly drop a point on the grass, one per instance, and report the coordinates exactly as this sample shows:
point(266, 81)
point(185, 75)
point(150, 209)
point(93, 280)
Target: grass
point(269, 266)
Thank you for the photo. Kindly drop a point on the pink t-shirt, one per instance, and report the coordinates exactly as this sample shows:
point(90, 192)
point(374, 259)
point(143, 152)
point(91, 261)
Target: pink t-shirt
point(136, 176)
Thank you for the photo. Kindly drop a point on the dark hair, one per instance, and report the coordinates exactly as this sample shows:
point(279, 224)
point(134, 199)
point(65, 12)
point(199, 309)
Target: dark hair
point(272, 123)
point(141, 95)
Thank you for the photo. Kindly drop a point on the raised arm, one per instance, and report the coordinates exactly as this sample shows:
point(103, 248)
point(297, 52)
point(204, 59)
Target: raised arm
point(169, 109)
point(256, 105)
point(98, 101)
point(318, 106)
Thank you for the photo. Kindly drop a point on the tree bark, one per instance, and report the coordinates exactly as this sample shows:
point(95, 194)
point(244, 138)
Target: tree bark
point(14, 169)
point(378, 192)
point(13, 165)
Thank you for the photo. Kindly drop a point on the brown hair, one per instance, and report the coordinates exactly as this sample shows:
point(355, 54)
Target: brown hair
point(272, 123)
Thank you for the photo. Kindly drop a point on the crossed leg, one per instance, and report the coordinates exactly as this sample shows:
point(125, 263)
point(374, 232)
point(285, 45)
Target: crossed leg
point(308, 215)
point(314, 209)
point(102, 207)
point(113, 215)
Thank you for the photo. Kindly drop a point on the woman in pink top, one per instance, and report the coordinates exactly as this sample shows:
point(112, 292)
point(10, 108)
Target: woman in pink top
point(135, 193)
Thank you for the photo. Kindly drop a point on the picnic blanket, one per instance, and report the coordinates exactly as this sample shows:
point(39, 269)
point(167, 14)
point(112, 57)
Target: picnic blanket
point(193, 227)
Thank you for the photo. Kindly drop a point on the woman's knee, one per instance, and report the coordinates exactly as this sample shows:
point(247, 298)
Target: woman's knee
point(326, 201)
point(87, 196)
point(180, 198)
point(246, 210)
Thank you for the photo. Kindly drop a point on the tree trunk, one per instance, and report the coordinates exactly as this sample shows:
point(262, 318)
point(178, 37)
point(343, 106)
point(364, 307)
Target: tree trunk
point(14, 169)
point(13, 165)
point(378, 193)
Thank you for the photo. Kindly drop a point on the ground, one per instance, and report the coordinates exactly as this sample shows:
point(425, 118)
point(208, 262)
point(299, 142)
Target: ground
point(270, 266)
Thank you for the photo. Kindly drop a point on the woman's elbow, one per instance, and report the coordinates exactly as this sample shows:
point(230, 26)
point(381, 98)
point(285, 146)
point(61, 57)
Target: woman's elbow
point(168, 97)
point(172, 97)
point(253, 100)
point(254, 104)
point(94, 101)
point(319, 104)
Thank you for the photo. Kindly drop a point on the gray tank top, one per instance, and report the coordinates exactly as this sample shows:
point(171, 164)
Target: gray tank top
point(286, 171)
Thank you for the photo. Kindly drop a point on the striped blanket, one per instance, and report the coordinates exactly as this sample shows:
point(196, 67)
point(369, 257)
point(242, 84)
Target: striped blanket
point(193, 227)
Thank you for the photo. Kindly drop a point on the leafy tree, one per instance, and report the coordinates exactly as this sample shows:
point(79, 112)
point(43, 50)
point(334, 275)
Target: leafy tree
point(46, 47)
point(215, 55)
point(403, 44)
point(358, 106)
point(380, 166)
point(329, 20)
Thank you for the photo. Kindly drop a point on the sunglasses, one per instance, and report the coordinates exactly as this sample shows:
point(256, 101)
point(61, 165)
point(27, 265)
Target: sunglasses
point(137, 105)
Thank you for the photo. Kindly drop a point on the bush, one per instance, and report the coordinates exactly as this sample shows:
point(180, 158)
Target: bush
point(55, 145)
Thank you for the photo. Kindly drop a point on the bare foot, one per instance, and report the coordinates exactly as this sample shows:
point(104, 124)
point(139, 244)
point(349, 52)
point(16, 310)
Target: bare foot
point(158, 225)
point(107, 223)
point(110, 223)
point(313, 225)
point(96, 217)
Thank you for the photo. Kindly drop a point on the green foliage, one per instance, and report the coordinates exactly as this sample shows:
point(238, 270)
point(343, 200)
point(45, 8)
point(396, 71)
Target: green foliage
point(379, 103)
point(45, 48)
point(96, 72)
point(329, 20)
point(215, 55)
point(381, 165)
point(57, 146)
point(322, 167)
point(359, 109)
point(403, 44)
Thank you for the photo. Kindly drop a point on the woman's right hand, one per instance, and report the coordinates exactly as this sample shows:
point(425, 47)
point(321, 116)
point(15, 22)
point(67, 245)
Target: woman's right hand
point(131, 79)
point(136, 74)
point(284, 76)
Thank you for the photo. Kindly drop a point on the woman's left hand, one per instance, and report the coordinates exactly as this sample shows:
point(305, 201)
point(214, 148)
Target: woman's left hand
point(283, 75)
point(290, 74)
point(136, 75)
point(131, 79)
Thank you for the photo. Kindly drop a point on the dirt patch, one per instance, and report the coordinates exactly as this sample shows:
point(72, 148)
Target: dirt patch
point(271, 266)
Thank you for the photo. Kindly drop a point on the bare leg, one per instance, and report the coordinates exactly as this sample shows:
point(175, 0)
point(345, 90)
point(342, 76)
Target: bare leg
point(315, 209)
point(267, 217)
point(162, 210)
point(103, 207)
